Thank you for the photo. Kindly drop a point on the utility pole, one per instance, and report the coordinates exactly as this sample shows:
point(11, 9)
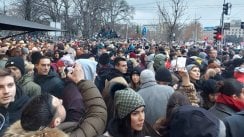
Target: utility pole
point(225, 11)
point(196, 30)
point(4, 7)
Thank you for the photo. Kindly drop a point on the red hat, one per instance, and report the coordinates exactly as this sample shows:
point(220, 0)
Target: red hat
point(60, 63)
point(239, 76)
point(133, 55)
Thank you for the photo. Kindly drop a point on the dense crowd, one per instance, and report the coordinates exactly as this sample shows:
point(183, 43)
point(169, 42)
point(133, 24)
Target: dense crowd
point(136, 88)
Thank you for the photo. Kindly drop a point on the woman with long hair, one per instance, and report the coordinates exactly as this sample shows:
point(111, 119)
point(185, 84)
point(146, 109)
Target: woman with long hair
point(129, 118)
point(135, 79)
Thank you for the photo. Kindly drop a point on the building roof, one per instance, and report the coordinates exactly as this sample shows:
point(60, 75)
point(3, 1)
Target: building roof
point(16, 24)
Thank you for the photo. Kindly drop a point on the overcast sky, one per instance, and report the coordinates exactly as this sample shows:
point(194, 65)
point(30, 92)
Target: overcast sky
point(207, 11)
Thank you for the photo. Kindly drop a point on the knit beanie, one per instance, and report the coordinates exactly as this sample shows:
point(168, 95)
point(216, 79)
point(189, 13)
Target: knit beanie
point(126, 101)
point(17, 62)
point(190, 67)
point(159, 61)
point(146, 76)
point(163, 74)
point(136, 70)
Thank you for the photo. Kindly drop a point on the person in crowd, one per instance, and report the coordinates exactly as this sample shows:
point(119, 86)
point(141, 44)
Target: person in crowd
point(24, 80)
point(34, 57)
point(72, 99)
point(212, 54)
point(239, 73)
point(10, 102)
point(184, 122)
point(188, 88)
point(3, 58)
point(120, 69)
point(47, 78)
point(230, 100)
point(103, 69)
point(142, 61)
point(149, 60)
point(239, 55)
point(56, 56)
point(135, 79)
point(117, 83)
point(129, 117)
point(194, 74)
point(234, 125)
point(163, 76)
point(210, 93)
point(155, 96)
point(176, 99)
point(217, 68)
point(44, 114)
point(159, 61)
point(209, 74)
point(16, 51)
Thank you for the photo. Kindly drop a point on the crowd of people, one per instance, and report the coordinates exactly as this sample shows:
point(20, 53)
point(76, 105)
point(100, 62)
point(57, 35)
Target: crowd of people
point(135, 88)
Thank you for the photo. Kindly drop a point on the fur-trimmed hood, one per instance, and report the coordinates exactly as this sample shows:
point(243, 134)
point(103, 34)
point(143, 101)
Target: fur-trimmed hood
point(16, 130)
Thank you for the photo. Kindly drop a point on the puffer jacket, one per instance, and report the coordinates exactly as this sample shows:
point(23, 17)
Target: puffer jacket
point(93, 123)
point(29, 87)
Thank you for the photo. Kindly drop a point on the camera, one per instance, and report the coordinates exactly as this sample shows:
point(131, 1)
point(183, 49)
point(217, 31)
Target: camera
point(68, 69)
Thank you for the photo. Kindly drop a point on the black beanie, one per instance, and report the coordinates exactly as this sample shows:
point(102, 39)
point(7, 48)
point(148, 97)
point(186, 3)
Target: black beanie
point(17, 62)
point(163, 75)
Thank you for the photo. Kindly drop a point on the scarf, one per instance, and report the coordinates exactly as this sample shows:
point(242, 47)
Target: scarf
point(236, 104)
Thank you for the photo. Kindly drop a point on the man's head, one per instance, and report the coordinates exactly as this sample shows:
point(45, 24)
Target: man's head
point(16, 66)
point(43, 65)
point(213, 54)
point(42, 111)
point(16, 52)
point(121, 64)
point(7, 88)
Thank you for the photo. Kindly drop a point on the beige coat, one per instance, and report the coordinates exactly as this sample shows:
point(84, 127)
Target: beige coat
point(16, 130)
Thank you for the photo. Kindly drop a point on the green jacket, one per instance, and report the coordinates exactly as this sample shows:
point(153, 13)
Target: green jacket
point(29, 87)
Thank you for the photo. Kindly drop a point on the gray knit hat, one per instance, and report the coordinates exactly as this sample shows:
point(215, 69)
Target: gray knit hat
point(147, 75)
point(190, 67)
point(126, 101)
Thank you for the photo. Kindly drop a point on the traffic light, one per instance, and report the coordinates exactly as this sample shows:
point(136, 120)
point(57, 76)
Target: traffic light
point(225, 8)
point(242, 25)
point(217, 34)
